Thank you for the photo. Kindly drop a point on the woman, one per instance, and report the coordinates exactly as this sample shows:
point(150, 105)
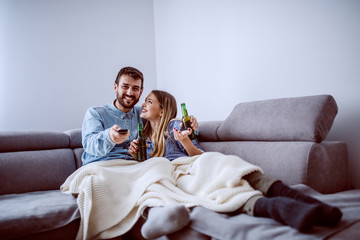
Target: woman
point(162, 129)
point(278, 201)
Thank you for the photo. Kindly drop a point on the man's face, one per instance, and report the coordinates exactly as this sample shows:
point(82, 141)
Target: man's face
point(128, 93)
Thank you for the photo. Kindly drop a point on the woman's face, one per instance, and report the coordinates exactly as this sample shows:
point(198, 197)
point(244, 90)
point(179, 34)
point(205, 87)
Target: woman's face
point(151, 109)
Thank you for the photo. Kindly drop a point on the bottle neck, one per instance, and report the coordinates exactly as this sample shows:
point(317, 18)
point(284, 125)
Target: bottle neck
point(184, 112)
point(140, 131)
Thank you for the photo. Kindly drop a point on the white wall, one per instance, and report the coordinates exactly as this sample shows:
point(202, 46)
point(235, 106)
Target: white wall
point(214, 54)
point(58, 58)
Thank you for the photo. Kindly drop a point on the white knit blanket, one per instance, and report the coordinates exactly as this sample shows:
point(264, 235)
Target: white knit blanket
point(111, 195)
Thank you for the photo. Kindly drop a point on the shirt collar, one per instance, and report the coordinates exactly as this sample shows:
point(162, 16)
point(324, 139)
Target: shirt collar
point(122, 114)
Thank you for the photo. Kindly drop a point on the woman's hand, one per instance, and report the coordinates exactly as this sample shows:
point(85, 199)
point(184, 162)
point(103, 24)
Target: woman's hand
point(194, 123)
point(183, 138)
point(182, 135)
point(133, 148)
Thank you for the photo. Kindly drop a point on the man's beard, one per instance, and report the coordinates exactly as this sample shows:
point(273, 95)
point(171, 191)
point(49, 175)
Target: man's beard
point(123, 102)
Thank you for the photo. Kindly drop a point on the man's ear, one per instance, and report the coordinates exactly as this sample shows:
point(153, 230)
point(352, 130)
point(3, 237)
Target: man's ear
point(115, 87)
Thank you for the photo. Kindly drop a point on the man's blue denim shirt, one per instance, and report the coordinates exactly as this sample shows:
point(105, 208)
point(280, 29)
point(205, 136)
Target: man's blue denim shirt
point(95, 132)
point(173, 148)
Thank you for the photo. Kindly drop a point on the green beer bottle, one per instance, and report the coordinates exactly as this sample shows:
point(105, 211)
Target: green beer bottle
point(186, 120)
point(141, 154)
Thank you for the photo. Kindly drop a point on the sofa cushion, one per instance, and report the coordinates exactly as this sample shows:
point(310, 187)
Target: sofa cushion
point(32, 140)
point(287, 119)
point(34, 212)
point(75, 138)
point(35, 170)
point(76, 145)
point(322, 166)
point(208, 130)
point(245, 227)
point(78, 153)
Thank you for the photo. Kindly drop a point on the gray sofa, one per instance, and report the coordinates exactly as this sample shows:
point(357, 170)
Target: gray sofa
point(286, 137)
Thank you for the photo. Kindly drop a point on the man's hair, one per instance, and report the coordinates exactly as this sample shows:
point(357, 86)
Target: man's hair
point(131, 72)
point(169, 108)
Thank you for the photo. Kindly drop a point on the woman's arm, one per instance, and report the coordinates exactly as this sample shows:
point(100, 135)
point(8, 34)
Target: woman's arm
point(183, 138)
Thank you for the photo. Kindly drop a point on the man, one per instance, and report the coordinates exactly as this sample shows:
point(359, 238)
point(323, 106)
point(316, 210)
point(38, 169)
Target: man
point(100, 131)
point(100, 137)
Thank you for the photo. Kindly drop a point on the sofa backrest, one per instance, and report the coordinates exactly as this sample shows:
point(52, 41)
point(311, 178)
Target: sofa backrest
point(42, 160)
point(76, 145)
point(34, 161)
point(307, 118)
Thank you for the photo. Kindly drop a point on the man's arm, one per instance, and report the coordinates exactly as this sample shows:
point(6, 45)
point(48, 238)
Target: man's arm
point(96, 140)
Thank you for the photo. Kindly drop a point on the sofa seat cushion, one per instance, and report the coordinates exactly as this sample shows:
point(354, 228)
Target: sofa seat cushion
point(34, 212)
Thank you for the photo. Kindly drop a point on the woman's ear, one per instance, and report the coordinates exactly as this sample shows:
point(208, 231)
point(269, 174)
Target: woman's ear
point(161, 113)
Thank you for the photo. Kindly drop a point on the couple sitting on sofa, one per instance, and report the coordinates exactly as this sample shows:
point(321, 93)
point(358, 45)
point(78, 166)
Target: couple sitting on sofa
point(101, 141)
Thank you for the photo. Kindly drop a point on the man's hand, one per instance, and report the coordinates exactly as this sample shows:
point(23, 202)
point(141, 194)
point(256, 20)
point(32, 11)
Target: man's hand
point(115, 136)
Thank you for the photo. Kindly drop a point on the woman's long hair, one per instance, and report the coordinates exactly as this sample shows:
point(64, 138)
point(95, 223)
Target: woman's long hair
point(169, 108)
